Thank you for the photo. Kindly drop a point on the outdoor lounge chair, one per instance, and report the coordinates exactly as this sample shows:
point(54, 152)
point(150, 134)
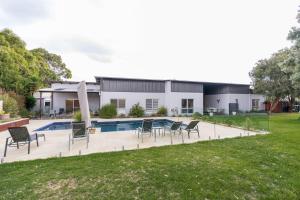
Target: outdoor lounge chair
point(173, 128)
point(176, 126)
point(21, 136)
point(79, 131)
point(146, 128)
point(192, 127)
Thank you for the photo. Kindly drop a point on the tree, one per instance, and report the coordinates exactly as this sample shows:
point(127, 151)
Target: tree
point(294, 36)
point(51, 66)
point(24, 71)
point(273, 77)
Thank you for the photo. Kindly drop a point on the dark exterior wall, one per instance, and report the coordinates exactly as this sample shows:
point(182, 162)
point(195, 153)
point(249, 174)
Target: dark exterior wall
point(177, 86)
point(226, 89)
point(115, 85)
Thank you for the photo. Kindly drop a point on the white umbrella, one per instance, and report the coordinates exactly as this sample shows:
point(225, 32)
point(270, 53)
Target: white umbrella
point(84, 104)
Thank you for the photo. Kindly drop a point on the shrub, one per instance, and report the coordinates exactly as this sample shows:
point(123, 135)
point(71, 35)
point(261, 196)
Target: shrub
point(197, 115)
point(25, 113)
point(10, 105)
point(77, 116)
point(136, 111)
point(248, 123)
point(162, 111)
point(30, 102)
point(108, 111)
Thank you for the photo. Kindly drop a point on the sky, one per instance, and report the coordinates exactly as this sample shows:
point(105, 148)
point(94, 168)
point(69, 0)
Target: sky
point(197, 40)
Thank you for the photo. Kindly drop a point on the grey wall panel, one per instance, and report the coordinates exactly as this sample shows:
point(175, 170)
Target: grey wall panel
point(186, 87)
point(226, 89)
point(112, 85)
point(239, 89)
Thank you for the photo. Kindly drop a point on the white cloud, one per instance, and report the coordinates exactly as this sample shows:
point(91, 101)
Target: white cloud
point(23, 11)
point(180, 39)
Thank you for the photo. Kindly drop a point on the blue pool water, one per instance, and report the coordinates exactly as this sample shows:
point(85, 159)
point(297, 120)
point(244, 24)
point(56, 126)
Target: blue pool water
point(107, 126)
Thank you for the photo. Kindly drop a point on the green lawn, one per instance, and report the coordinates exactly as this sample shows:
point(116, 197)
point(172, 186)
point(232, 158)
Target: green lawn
point(251, 121)
point(258, 167)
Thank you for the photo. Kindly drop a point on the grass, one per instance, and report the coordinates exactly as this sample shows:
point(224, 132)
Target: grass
point(256, 121)
point(8, 120)
point(258, 167)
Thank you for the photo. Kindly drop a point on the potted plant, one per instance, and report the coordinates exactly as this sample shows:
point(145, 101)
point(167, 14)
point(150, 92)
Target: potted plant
point(3, 115)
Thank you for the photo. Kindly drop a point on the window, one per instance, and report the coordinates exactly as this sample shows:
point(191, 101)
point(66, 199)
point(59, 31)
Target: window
point(187, 106)
point(119, 103)
point(151, 105)
point(255, 104)
point(72, 105)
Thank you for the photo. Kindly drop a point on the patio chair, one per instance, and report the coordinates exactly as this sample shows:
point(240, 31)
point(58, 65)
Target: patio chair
point(173, 128)
point(79, 132)
point(176, 126)
point(192, 127)
point(21, 136)
point(146, 128)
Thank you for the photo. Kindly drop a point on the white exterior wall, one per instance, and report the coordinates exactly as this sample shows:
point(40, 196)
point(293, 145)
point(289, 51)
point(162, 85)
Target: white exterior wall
point(174, 101)
point(94, 101)
point(132, 98)
point(211, 101)
point(244, 101)
point(45, 97)
point(59, 100)
point(169, 100)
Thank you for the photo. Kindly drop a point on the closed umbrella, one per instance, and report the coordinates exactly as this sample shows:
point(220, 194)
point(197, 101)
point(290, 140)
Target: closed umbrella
point(84, 104)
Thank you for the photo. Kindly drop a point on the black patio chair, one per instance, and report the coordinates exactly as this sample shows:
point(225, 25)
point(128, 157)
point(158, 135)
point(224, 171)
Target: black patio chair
point(192, 127)
point(79, 131)
point(21, 136)
point(146, 128)
point(173, 128)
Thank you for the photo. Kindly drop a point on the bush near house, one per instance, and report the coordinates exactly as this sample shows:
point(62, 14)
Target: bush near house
point(25, 113)
point(108, 111)
point(30, 102)
point(196, 115)
point(77, 116)
point(162, 111)
point(10, 105)
point(137, 111)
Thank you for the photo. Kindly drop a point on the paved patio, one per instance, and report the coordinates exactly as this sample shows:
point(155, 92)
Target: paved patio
point(57, 142)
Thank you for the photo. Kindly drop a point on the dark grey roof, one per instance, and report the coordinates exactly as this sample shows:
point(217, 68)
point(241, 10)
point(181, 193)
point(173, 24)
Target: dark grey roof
point(98, 78)
point(131, 79)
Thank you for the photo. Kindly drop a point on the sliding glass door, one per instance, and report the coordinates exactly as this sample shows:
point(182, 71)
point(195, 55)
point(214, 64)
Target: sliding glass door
point(72, 105)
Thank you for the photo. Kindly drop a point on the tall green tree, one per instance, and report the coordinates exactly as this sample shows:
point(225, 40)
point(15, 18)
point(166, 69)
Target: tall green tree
point(24, 71)
point(51, 66)
point(273, 77)
point(294, 36)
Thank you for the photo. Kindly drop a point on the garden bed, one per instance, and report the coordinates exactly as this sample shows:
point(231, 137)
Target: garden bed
point(13, 122)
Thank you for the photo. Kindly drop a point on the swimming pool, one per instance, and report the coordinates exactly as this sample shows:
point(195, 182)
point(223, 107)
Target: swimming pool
point(107, 126)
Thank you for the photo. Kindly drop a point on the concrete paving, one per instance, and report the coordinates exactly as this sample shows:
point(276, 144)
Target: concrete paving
point(57, 142)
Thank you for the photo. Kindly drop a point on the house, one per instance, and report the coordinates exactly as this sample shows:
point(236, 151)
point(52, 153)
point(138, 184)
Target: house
point(179, 97)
